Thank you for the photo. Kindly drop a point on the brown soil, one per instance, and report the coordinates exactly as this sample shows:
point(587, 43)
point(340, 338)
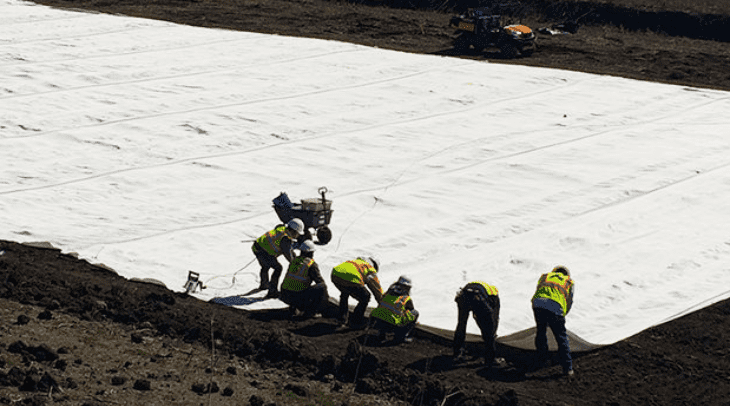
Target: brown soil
point(78, 334)
point(685, 43)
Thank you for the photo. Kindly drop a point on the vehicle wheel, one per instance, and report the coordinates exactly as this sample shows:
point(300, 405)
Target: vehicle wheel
point(461, 44)
point(324, 235)
point(508, 49)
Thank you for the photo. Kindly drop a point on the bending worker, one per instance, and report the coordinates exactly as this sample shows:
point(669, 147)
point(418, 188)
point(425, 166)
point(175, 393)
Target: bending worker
point(303, 288)
point(482, 300)
point(350, 278)
point(550, 304)
point(395, 313)
point(269, 247)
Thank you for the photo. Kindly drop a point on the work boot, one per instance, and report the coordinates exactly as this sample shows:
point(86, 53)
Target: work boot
point(264, 286)
point(404, 339)
point(496, 363)
point(358, 323)
point(309, 314)
point(273, 294)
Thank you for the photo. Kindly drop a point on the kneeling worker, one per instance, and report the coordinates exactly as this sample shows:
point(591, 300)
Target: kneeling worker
point(482, 300)
point(303, 287)
point(396, 312)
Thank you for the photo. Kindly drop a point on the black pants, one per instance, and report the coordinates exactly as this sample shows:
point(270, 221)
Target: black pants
point(268, 262)
point(310, 301)
point(361, 294)
point(486, 314)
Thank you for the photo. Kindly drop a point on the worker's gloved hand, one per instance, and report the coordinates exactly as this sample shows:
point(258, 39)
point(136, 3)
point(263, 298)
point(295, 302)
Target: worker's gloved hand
point(458, 295)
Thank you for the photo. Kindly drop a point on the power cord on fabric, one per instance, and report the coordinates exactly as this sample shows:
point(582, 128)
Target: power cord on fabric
point(233, 278)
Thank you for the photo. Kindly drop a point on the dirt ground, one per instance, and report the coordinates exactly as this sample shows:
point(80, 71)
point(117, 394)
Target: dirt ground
point(614, 40)
point(76, 333)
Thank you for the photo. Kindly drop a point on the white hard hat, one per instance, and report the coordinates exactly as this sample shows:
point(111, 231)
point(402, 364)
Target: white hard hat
point(307, 246)
point(296, 225)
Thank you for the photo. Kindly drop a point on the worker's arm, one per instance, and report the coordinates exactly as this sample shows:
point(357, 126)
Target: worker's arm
point(569, 299)
point(315, 274)
point(373, 284)
point(286, 249)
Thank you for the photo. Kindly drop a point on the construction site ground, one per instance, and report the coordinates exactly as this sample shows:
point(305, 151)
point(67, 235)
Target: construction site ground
point(76, 333)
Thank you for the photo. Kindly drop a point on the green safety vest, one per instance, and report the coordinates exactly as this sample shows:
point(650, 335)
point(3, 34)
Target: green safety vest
point(557, 287)
point(271, 241)
point(354, 271)
point(392, 309)
point(297, 277)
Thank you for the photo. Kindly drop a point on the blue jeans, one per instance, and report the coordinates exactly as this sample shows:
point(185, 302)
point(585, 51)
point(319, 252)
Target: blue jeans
point(543, 319)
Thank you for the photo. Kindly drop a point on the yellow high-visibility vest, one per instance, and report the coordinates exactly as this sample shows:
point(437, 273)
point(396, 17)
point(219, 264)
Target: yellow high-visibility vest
point(555, 286)
point(490, 289)
point(392, 309)
point(354, 271)
point(271, 241)
point(297, 277)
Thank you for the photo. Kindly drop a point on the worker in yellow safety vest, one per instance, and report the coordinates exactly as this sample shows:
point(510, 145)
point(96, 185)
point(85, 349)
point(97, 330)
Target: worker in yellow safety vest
point(303, 288)
point(269, 247)
point(396, 313)
point(351, 279)
point(482, 300)
point(552, 301)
